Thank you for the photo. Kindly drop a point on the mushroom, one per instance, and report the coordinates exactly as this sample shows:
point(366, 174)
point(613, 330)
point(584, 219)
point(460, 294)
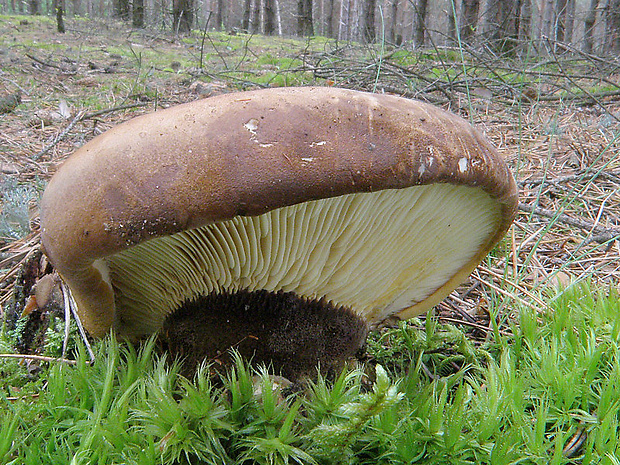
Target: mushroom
point(324, 210)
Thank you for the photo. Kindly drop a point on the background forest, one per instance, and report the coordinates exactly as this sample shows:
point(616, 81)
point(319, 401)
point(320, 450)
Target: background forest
point(586, 25)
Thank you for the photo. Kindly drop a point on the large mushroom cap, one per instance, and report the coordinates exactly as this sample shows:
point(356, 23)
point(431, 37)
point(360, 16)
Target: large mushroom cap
point(371, 202)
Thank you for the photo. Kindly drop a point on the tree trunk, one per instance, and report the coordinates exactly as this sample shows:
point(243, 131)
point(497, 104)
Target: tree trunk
point(278, 17)
point(525, 23)
point(255, 17)
point(492, 26)
point(564, 19)
point(247, 11)
point(355, 27)
point(560, 19)
point(182, 15)
point(60, 22)
point(469, 19)
point(138, 13)
point(218, 18)
point(305, 26)
point(570, 21)
point(451, 22)
point(612, 26)
point(121, 9)
point(329, 18)
point(33, 7)
point(369, 34)
point(503, 24)
point(590, 23)
point(516, 12)
point(343, 20)
point(270, 18)
point(419, 22)
point(392, 35)
point(547, 23)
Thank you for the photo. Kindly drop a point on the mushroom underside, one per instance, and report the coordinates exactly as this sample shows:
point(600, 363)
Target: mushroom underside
point(378, 254)
point(292, 334)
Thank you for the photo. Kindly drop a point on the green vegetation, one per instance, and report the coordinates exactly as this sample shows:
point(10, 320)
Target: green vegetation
point(547, 394)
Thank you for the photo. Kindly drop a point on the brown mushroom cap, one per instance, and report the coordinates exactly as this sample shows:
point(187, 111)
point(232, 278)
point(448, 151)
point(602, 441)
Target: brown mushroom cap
point(377, 203)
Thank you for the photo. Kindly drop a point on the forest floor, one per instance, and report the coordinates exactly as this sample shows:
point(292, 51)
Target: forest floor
point(553, 113)
point(555, 118)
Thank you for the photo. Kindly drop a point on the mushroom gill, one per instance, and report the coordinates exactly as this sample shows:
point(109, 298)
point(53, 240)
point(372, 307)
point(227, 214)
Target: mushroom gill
point(381, 254)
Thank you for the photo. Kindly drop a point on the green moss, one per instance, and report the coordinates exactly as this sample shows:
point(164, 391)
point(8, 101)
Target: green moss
point(517, 400)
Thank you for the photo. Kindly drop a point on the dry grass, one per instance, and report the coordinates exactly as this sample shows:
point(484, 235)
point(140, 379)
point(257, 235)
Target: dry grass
point(566, 161)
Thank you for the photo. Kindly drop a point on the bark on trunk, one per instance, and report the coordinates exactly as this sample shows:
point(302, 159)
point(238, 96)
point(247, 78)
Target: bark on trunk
point(33, 7)
point(419, 22)
point(392, 36)
point(503, 24)
point(561, 9)
point(305, 26)
point(368, 10)
point(590, 23)
point(343, 21)
point(278, 17)
point(60, 11)
point(218, 18)
point(329, 18)
point(255, 17)
point(247, 11)
point(525, 22)
point(138, 13)
point(182, 15)
point(547, 29)
point(612, 26)
point(121, 9)
point(469, 22)
point(451, 22)
point(570, 21)
point(270, 18)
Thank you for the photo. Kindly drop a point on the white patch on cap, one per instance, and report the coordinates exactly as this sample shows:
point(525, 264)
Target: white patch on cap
point(251, 125)
point(318, 144)
point(463, 165)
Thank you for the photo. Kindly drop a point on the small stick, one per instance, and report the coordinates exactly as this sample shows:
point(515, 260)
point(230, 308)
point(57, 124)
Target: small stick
point(471, 324)
point(31, 396)
point(113, 109)
point(41, 358)
point(59, 137)
point(45, 63)
point(67, 308)
point(81, 116)
point(73, 307)
point(605, 234)
point(568, 178)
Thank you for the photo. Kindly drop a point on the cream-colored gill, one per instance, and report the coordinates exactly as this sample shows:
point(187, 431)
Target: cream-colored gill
point(376, 253)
